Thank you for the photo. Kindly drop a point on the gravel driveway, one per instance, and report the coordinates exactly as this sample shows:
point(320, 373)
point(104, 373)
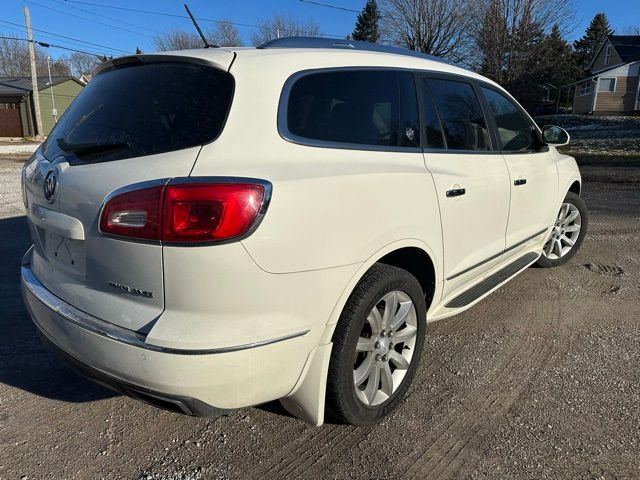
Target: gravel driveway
point(540, 380)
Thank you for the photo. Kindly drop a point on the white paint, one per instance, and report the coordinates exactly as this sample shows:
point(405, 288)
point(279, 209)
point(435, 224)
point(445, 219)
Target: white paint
point(334, 213)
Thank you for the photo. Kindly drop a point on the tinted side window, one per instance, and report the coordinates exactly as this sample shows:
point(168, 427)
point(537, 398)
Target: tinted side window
point(514, 130)
point(432, 128)
point(360, 107)
point(138, 110)
point(461, 116)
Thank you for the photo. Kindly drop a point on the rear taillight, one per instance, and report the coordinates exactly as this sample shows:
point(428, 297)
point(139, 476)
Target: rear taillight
point(134, 214)
point(185, 212)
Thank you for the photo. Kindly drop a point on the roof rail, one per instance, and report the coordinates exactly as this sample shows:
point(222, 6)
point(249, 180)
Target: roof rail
point(319, 42)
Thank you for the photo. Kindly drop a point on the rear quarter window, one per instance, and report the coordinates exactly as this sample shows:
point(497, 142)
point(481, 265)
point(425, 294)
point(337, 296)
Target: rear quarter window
point(376, 108)
point(143, 109)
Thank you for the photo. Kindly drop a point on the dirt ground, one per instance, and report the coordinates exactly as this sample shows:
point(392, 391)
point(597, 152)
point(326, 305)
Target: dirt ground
point(540, 380)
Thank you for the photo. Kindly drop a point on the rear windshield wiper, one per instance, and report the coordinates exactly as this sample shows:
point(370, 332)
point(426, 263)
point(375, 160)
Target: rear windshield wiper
point(81, 149)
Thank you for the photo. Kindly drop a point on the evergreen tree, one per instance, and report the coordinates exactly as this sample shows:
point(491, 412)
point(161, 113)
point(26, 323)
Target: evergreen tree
point(367, 23)
point(138, 51)
point(560, 65)
point(586, 47)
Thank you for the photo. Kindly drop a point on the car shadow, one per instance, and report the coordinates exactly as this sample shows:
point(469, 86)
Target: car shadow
point(25, 363)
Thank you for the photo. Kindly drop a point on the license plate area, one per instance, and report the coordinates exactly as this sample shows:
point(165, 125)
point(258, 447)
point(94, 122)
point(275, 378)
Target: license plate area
point(64, 253)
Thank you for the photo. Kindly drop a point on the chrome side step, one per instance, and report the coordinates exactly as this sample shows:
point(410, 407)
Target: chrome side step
point(492, 281)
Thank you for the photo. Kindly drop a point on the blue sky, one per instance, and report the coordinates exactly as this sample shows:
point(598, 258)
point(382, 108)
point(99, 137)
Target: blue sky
point(136, 29)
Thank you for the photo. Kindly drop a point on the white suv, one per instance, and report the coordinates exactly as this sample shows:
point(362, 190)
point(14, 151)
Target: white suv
point(218, 228)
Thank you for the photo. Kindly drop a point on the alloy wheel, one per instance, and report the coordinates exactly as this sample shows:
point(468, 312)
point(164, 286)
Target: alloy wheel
point(385, 348)
point(565, 232)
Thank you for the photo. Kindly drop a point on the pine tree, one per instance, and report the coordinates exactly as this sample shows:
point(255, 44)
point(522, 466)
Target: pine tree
point(367, 23)
point(586, 47)
point(560, 64)
point(138, 51)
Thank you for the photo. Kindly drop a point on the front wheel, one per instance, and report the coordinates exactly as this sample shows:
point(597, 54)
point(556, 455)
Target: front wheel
point(376, 346)
point(567, 234)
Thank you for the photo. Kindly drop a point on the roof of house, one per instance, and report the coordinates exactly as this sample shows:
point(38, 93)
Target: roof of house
point(23, 86)
point(627, 46)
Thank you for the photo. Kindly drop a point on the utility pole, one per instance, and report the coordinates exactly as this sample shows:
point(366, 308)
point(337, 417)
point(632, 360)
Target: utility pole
point(54, 112)
point(34, 75)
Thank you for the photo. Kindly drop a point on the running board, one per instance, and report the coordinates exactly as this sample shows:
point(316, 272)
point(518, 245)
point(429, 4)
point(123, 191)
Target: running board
point(491, 282)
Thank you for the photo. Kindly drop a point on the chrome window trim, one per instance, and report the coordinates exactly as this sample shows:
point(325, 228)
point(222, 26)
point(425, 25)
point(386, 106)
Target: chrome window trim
point(120, 334)
point(285, 133)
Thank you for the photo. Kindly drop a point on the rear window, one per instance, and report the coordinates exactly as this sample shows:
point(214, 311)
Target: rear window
point(143, 109)
point(367, 107)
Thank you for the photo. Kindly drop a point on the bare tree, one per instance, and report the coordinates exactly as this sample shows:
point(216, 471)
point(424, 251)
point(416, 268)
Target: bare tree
point(177, 40)
point(59, 68)
point(517, 41)
point(283, 26)
point(14, 59)
point(82, 63)
point(436, 27)
point(631, 30)
point(507, 31)
point(225, 34)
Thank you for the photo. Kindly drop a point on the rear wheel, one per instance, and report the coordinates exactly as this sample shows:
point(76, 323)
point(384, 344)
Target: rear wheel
point(567, 234)
point(376, 346)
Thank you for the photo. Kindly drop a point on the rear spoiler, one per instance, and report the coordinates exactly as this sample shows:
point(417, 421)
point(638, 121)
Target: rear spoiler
point(221, 59)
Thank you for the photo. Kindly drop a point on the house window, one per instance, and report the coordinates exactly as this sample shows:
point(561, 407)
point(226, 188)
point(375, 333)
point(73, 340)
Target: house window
point(607, 85)
point(585, 88)
point(607, 55)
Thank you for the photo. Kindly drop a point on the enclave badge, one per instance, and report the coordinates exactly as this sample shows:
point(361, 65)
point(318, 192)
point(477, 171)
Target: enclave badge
point(130, 290)
point(50, 186)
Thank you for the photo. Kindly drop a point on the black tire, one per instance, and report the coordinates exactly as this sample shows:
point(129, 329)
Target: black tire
point(574, 199)
point(343, 404)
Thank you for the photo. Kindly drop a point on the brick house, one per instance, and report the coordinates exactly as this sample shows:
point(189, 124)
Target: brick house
point(613, 87)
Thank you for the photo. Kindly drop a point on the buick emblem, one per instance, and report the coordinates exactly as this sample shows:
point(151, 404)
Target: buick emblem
point(50, 186)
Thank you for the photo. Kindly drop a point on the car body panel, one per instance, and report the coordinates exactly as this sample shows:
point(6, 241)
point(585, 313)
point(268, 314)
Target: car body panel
point(533, 204)
point(473, 224)
point(79, 271)
point(334, 212)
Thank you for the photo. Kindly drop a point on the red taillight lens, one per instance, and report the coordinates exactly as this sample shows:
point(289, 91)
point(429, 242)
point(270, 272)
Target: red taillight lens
point(205, 212)
point(184, 213)
point(134, 215)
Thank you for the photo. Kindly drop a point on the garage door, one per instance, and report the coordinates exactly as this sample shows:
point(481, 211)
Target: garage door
point(10, 123)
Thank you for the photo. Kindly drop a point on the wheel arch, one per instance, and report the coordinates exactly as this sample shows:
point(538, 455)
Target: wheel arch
point(412, 255)
point(307, 399)
point(575, 187)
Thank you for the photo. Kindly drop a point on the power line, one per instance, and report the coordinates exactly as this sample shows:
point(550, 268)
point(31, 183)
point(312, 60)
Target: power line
point(175, 15)
point(45, 36)
point(47, 45)
point(88, 19)
point(335, 7)
point(70, 38)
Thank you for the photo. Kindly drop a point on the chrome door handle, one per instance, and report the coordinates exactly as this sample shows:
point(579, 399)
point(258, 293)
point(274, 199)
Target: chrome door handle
point(456, 192)
point(520, 181)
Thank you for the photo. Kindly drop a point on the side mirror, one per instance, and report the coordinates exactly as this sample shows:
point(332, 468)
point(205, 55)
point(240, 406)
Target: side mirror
point(552, 135)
